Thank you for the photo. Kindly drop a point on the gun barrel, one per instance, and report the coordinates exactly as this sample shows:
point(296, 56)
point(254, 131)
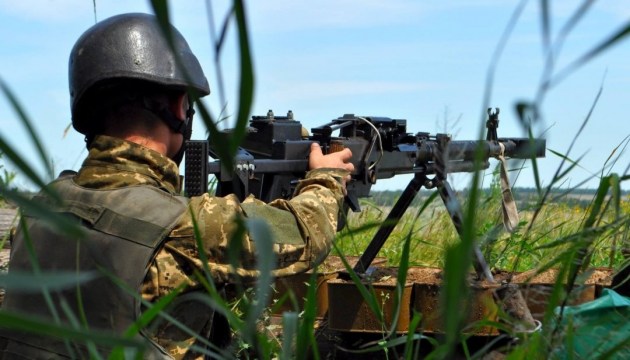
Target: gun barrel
point(410, 159)
point(524, 148)
point(468, 150)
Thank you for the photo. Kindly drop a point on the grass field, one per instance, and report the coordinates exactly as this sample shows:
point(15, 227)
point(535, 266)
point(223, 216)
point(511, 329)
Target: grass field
point(535, 243)
point(566, 233)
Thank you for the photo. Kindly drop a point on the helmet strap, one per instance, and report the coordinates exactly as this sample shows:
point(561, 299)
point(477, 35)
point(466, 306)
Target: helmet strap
point(172, 121)
point(187, 132)
point(88, 140)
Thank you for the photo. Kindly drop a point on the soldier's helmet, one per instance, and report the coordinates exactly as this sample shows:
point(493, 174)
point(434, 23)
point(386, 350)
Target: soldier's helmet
point(129, 47)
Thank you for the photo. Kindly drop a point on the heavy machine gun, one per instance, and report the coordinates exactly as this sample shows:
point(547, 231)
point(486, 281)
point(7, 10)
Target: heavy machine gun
point(274, 155)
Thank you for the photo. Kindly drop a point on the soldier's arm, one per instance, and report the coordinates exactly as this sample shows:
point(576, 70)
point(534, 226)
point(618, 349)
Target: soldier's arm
point(303, 227)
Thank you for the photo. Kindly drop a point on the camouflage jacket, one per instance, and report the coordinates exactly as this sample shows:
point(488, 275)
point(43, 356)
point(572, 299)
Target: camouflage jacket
point(303, 227)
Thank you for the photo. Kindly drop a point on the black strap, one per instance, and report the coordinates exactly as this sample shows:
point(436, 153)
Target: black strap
point(172, 121)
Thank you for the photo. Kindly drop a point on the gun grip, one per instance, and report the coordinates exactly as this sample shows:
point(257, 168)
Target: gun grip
point(350, 202)
point(336, 146)
point(353, 202)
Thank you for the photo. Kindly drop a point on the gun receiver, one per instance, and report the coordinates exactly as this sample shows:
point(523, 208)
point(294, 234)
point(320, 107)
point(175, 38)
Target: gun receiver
point(274, 155)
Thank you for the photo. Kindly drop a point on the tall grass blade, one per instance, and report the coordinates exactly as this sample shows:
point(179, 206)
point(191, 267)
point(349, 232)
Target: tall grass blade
point(289, 331)
point(43, 211)
point(305, 334)
point(26, 122)
point(401, 281)
point(28, 282)
point(225, 144)
point(412, 344)
point(612, 40)
point(218, 45)
point(545, 25)
point(35, 325)
point(261, 234)
point(368, 295)
point(246, 86)
point(619, 150)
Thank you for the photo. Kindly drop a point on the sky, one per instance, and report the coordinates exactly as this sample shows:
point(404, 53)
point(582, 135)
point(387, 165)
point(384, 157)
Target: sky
point(425, 61)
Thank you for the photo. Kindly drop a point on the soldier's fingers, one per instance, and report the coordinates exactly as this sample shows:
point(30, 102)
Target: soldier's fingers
point(315, 148)
point(345, 154)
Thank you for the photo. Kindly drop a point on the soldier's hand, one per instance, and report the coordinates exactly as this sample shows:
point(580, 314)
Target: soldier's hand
point(336, 160)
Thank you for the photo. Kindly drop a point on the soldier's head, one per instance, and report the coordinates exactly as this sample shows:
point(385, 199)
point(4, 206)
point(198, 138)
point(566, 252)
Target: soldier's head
point(123, 73)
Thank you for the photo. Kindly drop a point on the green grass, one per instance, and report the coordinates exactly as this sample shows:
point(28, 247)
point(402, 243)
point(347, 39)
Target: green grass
point(432, 232)
point(551, 233)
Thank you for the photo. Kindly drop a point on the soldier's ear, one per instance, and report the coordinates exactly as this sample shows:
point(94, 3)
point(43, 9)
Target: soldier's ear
point(179, 105)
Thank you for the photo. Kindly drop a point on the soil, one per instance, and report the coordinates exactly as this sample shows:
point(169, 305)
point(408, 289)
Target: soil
point(415, 275)
point(334, 263)
point(598, 276)
point(433, 276)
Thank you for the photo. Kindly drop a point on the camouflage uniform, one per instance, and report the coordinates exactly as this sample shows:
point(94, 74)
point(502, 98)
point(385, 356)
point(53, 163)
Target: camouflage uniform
point(303, 227)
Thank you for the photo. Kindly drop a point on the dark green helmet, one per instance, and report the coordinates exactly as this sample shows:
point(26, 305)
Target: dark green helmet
point(129, 47)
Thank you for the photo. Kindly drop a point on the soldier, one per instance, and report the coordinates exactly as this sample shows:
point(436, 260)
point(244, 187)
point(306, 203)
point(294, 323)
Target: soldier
point(134, 106)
